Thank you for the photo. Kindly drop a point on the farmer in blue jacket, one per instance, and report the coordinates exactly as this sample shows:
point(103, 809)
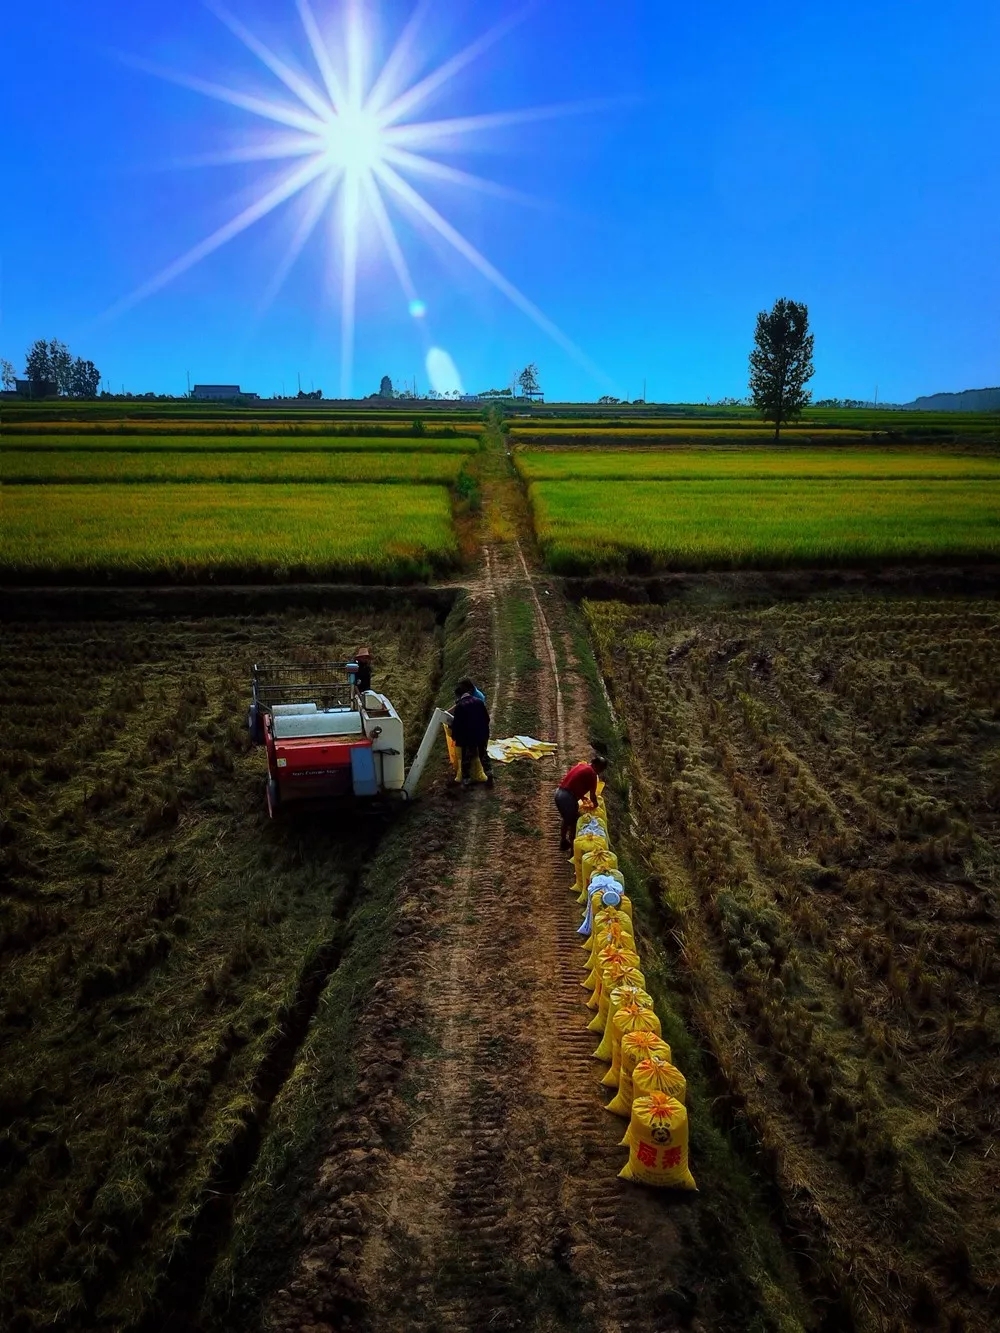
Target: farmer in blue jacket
point(470, 730)
point(468, 686)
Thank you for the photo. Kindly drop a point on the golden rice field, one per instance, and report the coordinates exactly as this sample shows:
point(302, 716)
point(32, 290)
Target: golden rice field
point(694, 430)
point(228, 465)
point(680, 464)
point(322, 427)
point(640, 526)
point(145, 439)
point(166, 532)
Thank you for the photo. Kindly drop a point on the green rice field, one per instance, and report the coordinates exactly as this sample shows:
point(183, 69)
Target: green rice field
point(693, 464)
point(228, 465)
point(166, 532)
point(641, 526)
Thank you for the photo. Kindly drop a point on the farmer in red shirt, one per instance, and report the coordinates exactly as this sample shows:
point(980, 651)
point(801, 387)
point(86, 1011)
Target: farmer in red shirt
point(580, 781)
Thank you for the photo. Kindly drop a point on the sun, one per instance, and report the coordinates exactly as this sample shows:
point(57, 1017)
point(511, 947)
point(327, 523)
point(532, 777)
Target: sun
point(359, 138)
point(354, 142)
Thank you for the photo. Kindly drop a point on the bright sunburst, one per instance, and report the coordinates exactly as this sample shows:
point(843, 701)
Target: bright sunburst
point(354, 146)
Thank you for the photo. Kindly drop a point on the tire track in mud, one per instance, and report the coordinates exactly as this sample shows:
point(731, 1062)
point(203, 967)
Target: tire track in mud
point(432, 1257)
point(618, 1240)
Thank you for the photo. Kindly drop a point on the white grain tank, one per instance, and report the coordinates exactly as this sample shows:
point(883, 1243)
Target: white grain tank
point(384, 725)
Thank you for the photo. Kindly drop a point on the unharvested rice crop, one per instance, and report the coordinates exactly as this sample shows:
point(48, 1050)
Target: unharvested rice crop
point(639, 526)
point(679, 464)
point(146, 438)
point(166, 531)
point(188, 465)
point(654, 430)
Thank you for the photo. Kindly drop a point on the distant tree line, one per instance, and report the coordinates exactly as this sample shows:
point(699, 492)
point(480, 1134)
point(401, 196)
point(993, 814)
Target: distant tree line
point(51, 367)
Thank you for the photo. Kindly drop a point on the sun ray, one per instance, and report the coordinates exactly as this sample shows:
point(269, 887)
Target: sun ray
point(306, 226)
point(468, 251)
point(420, 92)
point(427, 131)
point(427, 166)
point(273, 149)
point(349, 281)
point(292, 80)
point(320, 53)
point(376, 203)
point(291, 185)
point(392, 70)
point(356, 56)
point(257, 106)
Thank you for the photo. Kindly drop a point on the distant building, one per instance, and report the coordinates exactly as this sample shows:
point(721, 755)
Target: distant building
point(220, 392)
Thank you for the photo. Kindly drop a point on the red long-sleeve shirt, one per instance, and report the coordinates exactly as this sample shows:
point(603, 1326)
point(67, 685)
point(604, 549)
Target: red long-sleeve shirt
point(580, 781)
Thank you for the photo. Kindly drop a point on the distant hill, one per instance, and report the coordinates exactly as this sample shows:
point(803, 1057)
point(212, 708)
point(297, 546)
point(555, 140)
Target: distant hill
point(969, 400)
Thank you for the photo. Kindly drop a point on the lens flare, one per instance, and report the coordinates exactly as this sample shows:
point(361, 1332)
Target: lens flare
point(443, 373)
point(355, 145)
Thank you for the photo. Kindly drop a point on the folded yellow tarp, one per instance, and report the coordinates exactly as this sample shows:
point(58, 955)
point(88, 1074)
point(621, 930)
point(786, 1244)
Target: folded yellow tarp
point(519, 747)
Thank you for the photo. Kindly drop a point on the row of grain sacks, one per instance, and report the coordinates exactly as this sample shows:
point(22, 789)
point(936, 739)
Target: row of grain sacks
point(650, 1092)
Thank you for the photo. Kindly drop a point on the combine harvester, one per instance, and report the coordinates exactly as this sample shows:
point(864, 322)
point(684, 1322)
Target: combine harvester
point(325, 737)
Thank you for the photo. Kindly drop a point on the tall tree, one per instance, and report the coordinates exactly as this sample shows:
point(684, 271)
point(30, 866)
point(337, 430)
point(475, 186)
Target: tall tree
point(37, 363)
point(385, 388)
point(528, 380)
point(62, 366)
point(85, 379)
point(7, 376)
point(781, 362)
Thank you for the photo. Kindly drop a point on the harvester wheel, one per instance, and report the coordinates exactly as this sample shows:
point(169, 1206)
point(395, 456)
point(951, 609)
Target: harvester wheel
point(273, 798)
point(253, 724)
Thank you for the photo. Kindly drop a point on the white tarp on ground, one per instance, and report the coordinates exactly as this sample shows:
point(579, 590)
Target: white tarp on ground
point(520, 747)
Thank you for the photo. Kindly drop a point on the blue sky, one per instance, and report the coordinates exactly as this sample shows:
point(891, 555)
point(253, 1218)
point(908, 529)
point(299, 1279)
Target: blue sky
point(843, 154)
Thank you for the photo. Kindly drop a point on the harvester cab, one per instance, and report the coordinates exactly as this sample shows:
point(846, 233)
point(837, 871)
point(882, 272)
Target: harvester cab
point(327, 737)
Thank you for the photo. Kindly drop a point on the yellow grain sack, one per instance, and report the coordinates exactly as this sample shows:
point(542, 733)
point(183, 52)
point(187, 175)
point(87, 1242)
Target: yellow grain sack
point(455, 759)
point(627, 993)
point(657, 1139)
point(654, 1074)
point(629, 1018)
point(635, 1046)
point(605, 957)
point(616, 931)
point(607, 916)
point(590, 841)
point(612, 925)
point(619, 975)
point(599, 861)
point(587, 816)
